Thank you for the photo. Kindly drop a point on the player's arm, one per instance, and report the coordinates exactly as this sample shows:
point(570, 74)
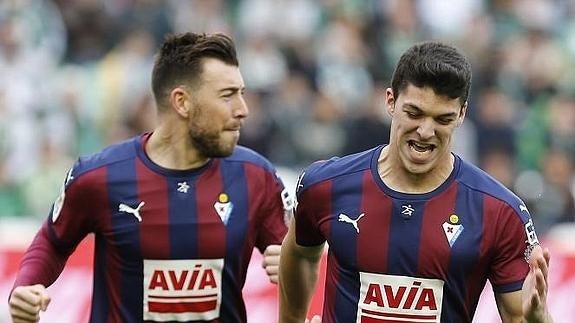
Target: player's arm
point(274, 228)
point(509, 307)
point(529, 304)
point(297, 277)
point(46, 256)
point(535, 287)
point(40, 267)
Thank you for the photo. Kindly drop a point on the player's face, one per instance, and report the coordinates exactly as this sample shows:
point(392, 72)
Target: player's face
point(422, 127)
point(218, 109)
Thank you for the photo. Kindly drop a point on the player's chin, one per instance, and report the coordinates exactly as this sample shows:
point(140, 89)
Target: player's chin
point(230, 136)
point(227, 146)
point(419, 169)
point(419, 166)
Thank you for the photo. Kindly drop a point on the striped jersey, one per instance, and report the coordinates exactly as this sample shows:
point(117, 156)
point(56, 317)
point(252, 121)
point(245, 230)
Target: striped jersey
point(396, 257)
point(170, 245)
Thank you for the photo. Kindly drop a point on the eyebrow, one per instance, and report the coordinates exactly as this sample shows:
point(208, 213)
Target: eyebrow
point(418, 109)
point(232, 89)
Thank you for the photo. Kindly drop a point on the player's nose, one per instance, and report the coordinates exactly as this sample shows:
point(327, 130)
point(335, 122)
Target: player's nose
point(240, 109)
point(426, 128)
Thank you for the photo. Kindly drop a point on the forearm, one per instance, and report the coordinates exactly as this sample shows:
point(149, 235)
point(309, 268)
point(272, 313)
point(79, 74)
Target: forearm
point(512, 310)
point(42, 263)
point(297, 280)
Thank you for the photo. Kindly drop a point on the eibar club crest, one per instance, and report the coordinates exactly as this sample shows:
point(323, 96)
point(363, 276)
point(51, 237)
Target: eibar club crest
point(224, 207)
point(452, 229)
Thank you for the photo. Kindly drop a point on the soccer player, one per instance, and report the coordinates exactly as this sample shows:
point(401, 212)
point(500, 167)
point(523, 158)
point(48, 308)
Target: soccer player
point(413, 230)
point(176, 212)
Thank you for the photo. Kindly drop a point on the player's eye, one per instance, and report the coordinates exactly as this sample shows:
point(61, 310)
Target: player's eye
point(445, 121)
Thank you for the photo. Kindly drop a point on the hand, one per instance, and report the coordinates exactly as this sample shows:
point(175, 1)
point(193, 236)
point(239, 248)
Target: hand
point(534, 292)
point(27, 301)
point(314, 319)
point(271, 262)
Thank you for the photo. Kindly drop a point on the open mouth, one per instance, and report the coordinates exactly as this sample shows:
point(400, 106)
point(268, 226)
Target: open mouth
point(421, 147)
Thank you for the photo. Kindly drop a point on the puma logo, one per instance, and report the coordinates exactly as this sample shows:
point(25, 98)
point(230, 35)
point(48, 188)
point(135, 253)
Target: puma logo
point(136, 212)
point(347, 219)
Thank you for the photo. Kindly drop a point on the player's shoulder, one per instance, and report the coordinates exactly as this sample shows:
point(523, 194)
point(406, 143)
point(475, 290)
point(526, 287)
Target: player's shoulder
point(477, 179)
point(244, 154)
point(325, 170)
point(114, 153)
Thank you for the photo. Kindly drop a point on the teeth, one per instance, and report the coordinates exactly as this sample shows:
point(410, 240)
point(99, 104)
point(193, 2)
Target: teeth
point(421, 148)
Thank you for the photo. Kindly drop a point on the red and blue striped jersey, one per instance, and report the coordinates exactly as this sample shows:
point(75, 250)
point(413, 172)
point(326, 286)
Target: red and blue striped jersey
point(170, 245)
point(396, 257)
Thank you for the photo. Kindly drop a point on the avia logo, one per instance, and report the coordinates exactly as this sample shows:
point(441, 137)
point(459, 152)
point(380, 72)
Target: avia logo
point(400, 298)
point(344, 218)
point(384, 296)
point(407, 210)
point(196, 278)
point(182, 290)
point(128, 209)
point(183, 187)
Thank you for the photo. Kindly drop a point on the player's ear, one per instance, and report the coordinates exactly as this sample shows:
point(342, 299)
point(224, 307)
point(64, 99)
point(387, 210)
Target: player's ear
point(462, 114)
point(389, 101)
point(180, 101)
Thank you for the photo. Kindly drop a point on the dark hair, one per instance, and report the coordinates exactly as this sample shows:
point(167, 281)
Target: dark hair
point(436, 65)
point(180, 57)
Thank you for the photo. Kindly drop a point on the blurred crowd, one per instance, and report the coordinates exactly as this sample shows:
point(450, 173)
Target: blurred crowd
point(75, 75)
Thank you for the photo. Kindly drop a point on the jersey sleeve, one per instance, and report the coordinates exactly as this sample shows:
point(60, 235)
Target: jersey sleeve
point(67, 224)
point(42, 262)
point(309, 207)
point(278, 205)
point(515, 237)
point(72, 216)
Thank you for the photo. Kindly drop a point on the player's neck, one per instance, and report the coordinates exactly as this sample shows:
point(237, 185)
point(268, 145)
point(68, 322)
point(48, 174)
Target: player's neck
point(398, 178)
point(170, 147)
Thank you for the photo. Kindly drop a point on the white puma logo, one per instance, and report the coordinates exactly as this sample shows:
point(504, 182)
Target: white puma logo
point(136, 212)
point(347, 219)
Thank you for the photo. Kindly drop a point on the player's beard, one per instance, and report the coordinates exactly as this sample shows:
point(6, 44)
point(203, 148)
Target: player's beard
point(210, 143)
